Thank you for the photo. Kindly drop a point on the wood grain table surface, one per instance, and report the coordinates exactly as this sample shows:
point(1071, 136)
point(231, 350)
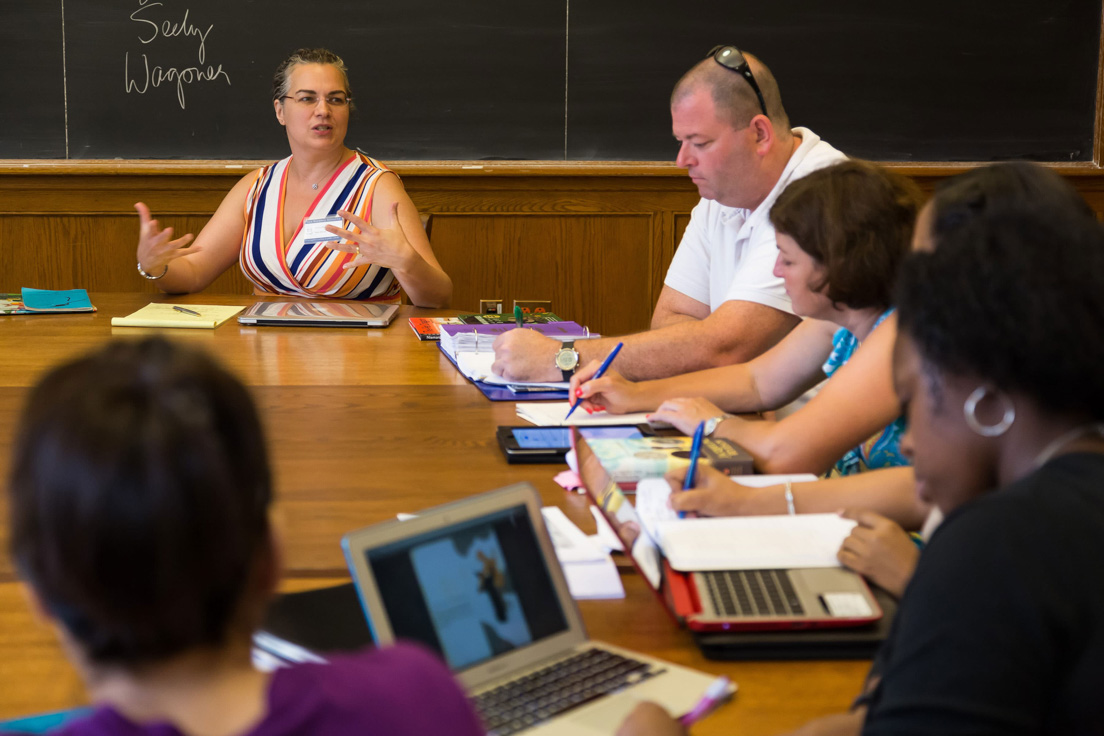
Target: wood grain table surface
point(363, 424)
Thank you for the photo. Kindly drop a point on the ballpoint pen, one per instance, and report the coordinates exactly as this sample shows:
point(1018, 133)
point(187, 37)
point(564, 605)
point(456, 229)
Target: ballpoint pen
point(187, 311)
point(598, 374)
point(717, 692)
point(517, 315)
point(695, 453)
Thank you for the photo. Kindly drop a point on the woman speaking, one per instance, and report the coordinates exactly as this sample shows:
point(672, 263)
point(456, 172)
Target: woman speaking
point(273, 221)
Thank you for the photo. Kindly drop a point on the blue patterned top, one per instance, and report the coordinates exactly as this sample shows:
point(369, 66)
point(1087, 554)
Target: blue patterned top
point(883, 449)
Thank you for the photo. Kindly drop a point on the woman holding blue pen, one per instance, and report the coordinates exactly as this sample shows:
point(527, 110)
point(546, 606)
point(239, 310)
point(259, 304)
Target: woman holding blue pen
point(842, 232)
point(598, 373)
point(692, 469)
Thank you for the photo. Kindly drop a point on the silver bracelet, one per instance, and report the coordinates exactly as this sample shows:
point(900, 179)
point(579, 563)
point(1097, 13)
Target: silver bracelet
point(789, 497)
point(152, 278)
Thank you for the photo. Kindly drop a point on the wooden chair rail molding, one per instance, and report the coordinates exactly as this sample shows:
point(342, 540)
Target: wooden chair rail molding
point(594, 237)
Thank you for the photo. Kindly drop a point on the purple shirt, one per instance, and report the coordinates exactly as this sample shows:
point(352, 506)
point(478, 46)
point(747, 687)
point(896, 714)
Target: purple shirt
point(395, 691)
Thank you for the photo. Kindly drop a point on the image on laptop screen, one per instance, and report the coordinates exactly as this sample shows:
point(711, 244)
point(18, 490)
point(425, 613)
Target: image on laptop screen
point(471, 592)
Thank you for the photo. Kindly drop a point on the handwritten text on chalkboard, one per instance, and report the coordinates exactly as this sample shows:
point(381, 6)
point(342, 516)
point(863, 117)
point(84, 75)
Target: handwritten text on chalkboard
point(156, 21)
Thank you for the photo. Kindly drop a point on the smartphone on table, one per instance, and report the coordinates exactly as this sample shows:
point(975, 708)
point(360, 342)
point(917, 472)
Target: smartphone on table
point(530, 444)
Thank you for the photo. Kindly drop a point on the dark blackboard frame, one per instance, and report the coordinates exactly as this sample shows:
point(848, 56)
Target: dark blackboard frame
point(483, 82)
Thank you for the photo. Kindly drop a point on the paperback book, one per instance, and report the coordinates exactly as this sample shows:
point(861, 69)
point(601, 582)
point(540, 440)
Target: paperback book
point(630, 460)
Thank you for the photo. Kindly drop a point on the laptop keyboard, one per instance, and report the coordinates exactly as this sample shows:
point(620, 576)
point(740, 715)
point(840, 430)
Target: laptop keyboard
point(570, 682)
point(748, 593)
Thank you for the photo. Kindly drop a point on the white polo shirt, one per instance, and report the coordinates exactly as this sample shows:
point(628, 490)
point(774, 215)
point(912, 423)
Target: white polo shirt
point(729, 252)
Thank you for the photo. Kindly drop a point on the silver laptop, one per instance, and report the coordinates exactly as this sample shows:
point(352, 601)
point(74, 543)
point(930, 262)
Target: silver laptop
point(478, 582)
point(335, 313)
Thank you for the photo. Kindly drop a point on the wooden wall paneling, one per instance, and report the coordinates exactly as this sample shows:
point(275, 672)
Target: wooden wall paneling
point(594, 268)
point(65, 224)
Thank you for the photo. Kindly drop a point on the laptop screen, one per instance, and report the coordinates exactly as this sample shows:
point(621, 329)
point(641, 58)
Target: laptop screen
point(471, 591)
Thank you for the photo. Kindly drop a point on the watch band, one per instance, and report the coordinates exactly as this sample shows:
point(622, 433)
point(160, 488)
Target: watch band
point(712, 423)
point(568, 345)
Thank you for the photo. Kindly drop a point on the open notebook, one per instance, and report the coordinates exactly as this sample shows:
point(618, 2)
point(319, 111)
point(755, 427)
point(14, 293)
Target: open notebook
point(477, 581)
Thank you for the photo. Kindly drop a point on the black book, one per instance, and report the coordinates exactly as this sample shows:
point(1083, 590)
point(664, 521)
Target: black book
point(306, 626)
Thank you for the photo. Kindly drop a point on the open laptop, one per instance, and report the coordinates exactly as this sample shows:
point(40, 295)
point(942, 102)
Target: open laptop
point(335, 313)
point(478, 582)
point(730, 600)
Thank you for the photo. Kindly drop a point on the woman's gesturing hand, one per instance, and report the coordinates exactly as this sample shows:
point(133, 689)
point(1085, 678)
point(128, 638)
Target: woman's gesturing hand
point(156, 247)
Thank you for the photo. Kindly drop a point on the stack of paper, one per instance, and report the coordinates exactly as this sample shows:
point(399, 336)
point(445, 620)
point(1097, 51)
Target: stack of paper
point(457, 339)
point(589, 569)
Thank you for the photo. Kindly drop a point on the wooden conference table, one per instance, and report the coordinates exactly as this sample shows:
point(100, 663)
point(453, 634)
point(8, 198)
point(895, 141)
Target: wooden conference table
point(363, 424)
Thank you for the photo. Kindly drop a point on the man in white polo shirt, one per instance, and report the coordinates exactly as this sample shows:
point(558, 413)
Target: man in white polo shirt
point(721, 302)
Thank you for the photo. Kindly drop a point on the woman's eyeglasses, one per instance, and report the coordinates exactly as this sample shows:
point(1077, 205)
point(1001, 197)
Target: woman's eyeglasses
point(730, 58)
point(312, 100)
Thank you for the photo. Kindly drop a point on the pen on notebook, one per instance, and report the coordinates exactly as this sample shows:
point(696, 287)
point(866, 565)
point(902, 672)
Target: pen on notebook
point(597, 374)
point(188, 311)
point(714, 695)
point(517, 315)
point(695, 453)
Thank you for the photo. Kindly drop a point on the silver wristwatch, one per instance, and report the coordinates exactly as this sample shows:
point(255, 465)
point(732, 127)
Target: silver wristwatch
point(567, 359)
point(712, 423)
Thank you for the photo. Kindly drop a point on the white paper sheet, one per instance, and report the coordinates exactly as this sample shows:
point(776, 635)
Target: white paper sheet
point(552, 413)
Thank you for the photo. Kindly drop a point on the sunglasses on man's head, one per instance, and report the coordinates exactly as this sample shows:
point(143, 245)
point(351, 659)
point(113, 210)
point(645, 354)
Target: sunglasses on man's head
point(730, 58)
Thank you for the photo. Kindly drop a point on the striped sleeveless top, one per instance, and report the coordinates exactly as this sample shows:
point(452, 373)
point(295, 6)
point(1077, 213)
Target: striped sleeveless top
point(312, 270)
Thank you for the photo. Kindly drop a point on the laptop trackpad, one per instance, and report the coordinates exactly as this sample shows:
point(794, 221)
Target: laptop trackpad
point(604, 717)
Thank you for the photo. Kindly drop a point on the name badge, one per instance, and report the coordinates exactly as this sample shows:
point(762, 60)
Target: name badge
point(314, 231)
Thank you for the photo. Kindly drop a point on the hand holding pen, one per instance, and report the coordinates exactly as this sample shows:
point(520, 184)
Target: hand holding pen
point(717, 692)
point(598, 374)
point(650, 719)
point(695, 453)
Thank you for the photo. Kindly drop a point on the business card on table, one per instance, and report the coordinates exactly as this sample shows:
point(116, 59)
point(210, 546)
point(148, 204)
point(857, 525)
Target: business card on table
point(314, 231)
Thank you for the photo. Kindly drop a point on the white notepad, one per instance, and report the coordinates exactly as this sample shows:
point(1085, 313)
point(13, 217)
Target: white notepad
point(740, 542)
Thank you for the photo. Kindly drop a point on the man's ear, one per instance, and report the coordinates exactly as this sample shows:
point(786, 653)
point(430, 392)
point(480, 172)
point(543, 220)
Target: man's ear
point(763, 129)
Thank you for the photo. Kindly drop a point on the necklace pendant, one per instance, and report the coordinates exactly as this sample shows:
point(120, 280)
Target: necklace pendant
point(314, 187)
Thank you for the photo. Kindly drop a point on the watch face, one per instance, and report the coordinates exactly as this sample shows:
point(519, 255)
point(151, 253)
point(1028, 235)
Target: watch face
point(567, 359)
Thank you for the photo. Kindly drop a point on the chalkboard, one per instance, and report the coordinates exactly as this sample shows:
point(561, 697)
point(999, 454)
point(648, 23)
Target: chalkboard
point(935, 80)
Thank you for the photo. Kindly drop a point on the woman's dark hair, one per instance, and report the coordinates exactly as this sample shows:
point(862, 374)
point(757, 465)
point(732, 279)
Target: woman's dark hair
point(139, 496)
point(1013, 293)
point(855, 219)
point(282, 78)
point(987, 192)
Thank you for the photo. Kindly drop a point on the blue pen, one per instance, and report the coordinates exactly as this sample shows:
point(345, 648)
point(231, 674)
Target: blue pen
point(598, 374)
point(695, 453)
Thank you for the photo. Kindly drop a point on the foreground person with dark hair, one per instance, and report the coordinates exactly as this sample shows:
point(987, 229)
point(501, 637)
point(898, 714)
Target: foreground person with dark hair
point(1001, 629)
point(139, 504)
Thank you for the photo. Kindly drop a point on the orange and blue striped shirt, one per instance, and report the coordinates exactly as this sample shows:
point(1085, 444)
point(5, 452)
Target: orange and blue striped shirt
point(312, 270)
